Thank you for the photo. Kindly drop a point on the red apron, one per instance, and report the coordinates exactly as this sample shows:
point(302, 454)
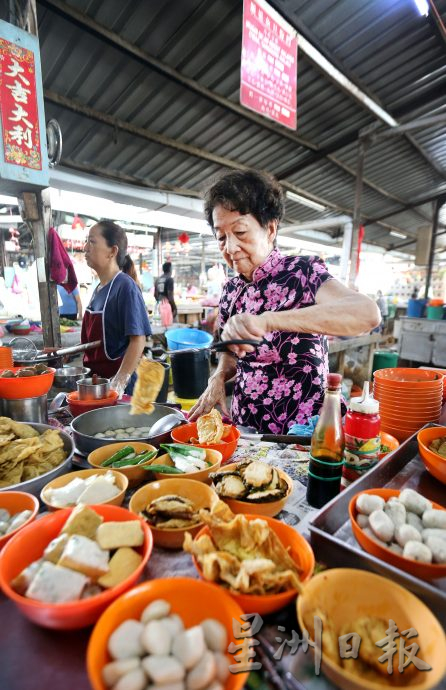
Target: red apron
point(96, 359)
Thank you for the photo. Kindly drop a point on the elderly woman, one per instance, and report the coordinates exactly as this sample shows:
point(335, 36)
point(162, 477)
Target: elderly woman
point(288, 302)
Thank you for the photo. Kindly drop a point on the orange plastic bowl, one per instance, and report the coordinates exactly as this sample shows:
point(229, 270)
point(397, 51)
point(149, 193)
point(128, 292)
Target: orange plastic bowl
point(299, 550)
point(269, 508)
point(14, 502)
point(192, 600)
point(212, 456)
point(425, 571)
point(78, 407)
point(134, 473)
point(184, 433)
point(28, 545)
point(433, 462)
point(390, 441)
point(346, 594)
point(442, 372)
point(121, 483)
point(26, 387)
point(401, 378)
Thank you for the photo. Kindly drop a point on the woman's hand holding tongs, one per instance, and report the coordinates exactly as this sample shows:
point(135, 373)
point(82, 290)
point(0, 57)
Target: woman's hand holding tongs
point(244, 327)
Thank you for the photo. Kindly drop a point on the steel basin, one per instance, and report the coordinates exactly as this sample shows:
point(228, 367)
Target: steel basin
point(86, 425)
point(35, 485)
point(67, 377)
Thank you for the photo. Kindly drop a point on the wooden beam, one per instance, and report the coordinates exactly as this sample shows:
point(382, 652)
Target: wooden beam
point(35, 208)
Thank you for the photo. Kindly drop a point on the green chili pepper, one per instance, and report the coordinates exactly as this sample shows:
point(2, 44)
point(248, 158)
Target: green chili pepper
point(187, 451)
point(127, 450)
point(162, 469)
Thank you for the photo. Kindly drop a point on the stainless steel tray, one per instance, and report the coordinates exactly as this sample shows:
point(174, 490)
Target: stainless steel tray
point(333, 540)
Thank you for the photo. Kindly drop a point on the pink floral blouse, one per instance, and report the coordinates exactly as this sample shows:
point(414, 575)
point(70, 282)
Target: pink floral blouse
point(282, 382)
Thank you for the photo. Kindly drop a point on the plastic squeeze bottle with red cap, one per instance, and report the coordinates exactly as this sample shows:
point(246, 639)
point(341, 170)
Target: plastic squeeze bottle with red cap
point(362, 436)
point(327, 448)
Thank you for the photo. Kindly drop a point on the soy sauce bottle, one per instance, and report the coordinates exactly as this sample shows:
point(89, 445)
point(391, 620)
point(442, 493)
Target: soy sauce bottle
point(327, 448)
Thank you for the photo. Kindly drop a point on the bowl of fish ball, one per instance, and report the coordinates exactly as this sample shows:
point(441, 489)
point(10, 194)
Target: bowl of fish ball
point(173, 631)
point(336, 598)
point(187, 462)
point(402, 528)
point(63, 570)
point(432, 448)
point(89, 487)
point(262, 562)
point(26, 382)
point(253, 486)
point(172, 507)
point(17, 509)
point(128, 457)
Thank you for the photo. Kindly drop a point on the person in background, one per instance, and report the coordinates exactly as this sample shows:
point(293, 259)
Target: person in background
point(130, 269)
point(288, 303)
point(164, 287)
point(71, 307)
point(116, 314)
point(383, 308)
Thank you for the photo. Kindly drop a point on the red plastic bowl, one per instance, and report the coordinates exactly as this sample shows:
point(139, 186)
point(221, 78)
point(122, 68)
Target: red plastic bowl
point(184, 433)
point(26, 387)
point(28, 545)
point(78, 407)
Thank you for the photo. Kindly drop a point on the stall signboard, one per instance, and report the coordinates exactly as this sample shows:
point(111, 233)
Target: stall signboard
point(268, 82)
point(23, 151)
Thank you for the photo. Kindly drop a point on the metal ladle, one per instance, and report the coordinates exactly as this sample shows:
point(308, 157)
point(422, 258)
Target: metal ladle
point(165, 424)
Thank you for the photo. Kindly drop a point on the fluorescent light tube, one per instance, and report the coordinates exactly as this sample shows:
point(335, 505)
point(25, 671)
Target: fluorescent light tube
point(398, 234)
point(306, 202)
point(422, 7)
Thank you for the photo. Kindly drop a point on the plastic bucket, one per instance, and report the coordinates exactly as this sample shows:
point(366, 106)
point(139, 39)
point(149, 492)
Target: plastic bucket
point(384, 359)
point(415, 307)
point(190, 373)
point(162, 395)
point(434, 312)
point(181, 338)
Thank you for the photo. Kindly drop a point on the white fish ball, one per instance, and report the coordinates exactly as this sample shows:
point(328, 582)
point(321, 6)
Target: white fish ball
point(417, 552)
point(382, 525)
point(156, 609)
point(113, 671)
point(367, 503)
point(438, 548)
point(414, 520)
point(362, 520)
point(215, 635)
point(434, 518)
point(202, 673)
point(414, 501)
point(189, 646)
point(134, 680)
point(125, 641)
point(396, 511)
point(406, 533)
point(163, 669)
point(156, 638)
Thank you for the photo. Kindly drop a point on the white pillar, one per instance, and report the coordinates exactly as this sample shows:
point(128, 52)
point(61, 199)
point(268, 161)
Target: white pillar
point(346, 250)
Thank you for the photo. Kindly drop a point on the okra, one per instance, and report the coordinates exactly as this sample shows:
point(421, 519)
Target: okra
point(162, 469)
point(119, 455)
point(136, 460)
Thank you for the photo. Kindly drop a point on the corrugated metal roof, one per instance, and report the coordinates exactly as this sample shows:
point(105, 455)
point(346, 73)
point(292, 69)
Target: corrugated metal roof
point(383, 46)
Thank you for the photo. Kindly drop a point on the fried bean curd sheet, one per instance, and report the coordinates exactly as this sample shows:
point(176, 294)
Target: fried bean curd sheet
point(148, 384)
point(25, 456)
point(210, 427)
point(371, 629)
point(244, 554)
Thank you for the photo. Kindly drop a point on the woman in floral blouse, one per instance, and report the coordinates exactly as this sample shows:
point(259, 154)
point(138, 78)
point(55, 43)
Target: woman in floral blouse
point(288, 302)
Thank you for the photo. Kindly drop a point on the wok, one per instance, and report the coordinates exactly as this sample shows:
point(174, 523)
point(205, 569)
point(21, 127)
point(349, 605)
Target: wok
point(35, 485)
point(86, 425)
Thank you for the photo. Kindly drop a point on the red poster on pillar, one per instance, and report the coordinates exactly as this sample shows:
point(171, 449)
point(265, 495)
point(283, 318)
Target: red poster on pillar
point(268, 82)
point(19, 111)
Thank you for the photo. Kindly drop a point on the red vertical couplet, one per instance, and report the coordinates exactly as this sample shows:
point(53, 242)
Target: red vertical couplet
point(268, 82)
point(18, 106)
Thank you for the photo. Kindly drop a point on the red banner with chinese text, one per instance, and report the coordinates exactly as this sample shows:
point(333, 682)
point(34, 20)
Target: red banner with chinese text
point(269, 64)
point(18, 106)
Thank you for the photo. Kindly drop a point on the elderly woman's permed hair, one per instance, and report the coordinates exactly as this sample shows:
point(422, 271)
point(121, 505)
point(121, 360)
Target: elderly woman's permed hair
point(246, 191)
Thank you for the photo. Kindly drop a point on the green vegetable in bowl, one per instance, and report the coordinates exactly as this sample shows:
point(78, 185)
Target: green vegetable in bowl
point(187, 458)
point(163, 469)
point(385, 449)
point(119, 455)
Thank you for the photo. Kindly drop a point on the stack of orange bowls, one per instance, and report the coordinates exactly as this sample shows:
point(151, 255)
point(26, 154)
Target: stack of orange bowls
point(6, 359)
point(408, 399)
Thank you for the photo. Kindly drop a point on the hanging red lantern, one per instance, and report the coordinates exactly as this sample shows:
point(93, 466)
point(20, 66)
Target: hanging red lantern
point(183, 238)
point(78, 223)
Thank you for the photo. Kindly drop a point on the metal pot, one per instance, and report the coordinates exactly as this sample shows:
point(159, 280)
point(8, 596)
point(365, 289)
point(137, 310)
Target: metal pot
point(90, 423)
point(93, 389)
point(35, 485)
point(66, 377)
point(26, 409)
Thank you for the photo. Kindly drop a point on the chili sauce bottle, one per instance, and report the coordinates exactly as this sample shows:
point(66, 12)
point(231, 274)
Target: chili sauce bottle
point(327, 448)
point(362, 436)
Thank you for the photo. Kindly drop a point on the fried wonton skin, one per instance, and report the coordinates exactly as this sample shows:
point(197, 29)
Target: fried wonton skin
point(148, 385)
point(210, 427)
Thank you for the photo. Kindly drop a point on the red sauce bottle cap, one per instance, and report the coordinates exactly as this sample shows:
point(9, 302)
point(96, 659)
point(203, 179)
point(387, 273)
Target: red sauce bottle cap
point(334, 380)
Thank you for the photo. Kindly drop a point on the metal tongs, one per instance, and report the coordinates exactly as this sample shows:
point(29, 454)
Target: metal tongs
point(219, 346)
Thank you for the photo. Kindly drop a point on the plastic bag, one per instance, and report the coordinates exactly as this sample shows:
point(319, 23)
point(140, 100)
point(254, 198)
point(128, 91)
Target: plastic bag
point(166, 313)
